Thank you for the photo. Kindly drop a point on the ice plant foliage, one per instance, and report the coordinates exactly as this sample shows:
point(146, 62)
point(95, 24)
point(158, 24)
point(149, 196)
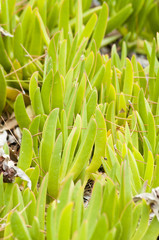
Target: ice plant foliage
point(83, 115)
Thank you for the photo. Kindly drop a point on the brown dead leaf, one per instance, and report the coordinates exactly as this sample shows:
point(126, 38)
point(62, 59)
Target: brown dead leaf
point(152, 199)
point(9, 169)
point(5, 33)
point(9, 124)
point(122, 111)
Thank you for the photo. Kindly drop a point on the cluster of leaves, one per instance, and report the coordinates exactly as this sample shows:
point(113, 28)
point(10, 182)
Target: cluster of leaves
point(139, 19)
point(76, 109)
point(110, 215)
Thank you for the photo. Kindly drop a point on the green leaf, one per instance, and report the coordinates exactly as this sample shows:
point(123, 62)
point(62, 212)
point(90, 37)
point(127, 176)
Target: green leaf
point(156, 180)
point(110, 119)
point(29, 198)
point(128, 81)
point(142, 106)
point(137, 211)
point(26, 151)
point(93, 209)
point(134, 135)
point(115, 57)
point(20, 112)
point(100, 142)
point(78, 53)
point(64, 126)
point(111, 234)
point(82, 231)
point(119, 18)
point(52, 51)
point(143, 225)
point(84, 120)
point(89, 27)
point(4, 61)
point(18, 40)
point(122, 109)
point(149, 168)
point(79, 18)
point(125, 188)
point(62, 57)
point(78, 207)
point(151, 131)
point(110, 199)
point(7, 197)
point(40, 207)
point(86, 4)
point(135, 68)
point(126, 221)
point(112, 94)
point(89, 62)
point(5, 19)
point(36, 44)
point(38, 105)
point(42, 29)
point(48, 65)
point(155, 95)
point(20, 231)
point(127, 134)
point(142, 77)
point(35, 229)
point(50, 221)
point(5, 14)
point(135, 171)
point(78, 126)
point(63, 199)
point(112, 159)
point(17, 199)
point(80, 94)
point(72, 52)
point(123, 54)
point(1, 192)
point(91, 104)
point(52, 18)
point(34, 177)
point(107, 77)
point(98, 78)
point(46, 92)
point(153, 230)
point(146, 147)
point(33, 85)
point(66, 154)
point(2, 90)
point(34, 129)
point(11, 7)
point(100, 28)
point(54, 168)
point(100, 229)
point(152, 70)
point(68, 85)
point(71, 106)
point(57, 92)
point(64, 231)
point(84, 150)
point(42, 6)
point(141, 125)
point(26, 19)
point(64, 17)
point(8, 230)
point(48, 139)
